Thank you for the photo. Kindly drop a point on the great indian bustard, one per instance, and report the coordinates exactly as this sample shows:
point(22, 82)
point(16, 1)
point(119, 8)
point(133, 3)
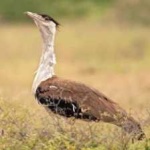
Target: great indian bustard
point(72, 99)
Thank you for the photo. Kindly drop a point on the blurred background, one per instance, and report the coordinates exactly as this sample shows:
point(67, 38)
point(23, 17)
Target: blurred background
point(103, 43)
point(133, 11)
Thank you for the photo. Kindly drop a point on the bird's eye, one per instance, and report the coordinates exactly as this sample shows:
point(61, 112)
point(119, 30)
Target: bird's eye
point(47, 18)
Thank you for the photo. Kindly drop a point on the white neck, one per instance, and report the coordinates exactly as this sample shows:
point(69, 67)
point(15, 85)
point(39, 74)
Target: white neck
point(47, 62)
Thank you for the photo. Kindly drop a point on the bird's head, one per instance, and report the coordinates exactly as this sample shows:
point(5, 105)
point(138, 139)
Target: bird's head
point(46, 24)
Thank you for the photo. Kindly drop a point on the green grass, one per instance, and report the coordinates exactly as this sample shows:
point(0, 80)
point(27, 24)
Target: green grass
point(11, 11)
point(113, 59)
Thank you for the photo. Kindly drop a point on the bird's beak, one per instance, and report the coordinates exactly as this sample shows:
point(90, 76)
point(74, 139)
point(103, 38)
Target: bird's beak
point(34, 16)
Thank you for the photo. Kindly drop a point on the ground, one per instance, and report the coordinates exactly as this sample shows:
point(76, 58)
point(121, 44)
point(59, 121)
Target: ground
point(114, 59)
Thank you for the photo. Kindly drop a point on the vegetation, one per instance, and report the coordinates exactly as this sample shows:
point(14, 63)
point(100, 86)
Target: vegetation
point(64, 8)
point(113, 59)
point(135, 11)
point(124, 11)
point(103, 43)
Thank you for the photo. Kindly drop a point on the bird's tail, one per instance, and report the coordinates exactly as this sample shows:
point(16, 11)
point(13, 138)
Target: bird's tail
point(128, 124)
point(131, 126)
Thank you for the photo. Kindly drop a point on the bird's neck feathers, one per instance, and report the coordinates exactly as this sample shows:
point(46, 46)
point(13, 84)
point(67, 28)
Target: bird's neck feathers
point(47, 61)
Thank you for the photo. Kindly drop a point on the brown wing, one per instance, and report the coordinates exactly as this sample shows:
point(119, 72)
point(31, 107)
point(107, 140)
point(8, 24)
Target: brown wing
point(70, 98)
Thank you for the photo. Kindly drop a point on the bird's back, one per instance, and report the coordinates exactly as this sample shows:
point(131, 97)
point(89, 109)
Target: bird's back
point(72, 99)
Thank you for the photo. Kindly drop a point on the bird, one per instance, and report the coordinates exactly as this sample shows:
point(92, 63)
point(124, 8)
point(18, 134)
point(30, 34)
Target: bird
point(72, 99)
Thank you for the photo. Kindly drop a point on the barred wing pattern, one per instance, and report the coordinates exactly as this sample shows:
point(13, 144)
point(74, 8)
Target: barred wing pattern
point(72, 99)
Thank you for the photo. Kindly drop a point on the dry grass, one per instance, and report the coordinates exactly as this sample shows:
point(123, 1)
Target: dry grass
point(113, 59)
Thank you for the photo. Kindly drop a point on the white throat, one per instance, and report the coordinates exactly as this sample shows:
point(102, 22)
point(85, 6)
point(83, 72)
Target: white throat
point(47, 62)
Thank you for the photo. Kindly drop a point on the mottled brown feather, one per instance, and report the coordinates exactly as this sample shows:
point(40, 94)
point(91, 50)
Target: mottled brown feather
point(88, 99)
point(90, 104)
